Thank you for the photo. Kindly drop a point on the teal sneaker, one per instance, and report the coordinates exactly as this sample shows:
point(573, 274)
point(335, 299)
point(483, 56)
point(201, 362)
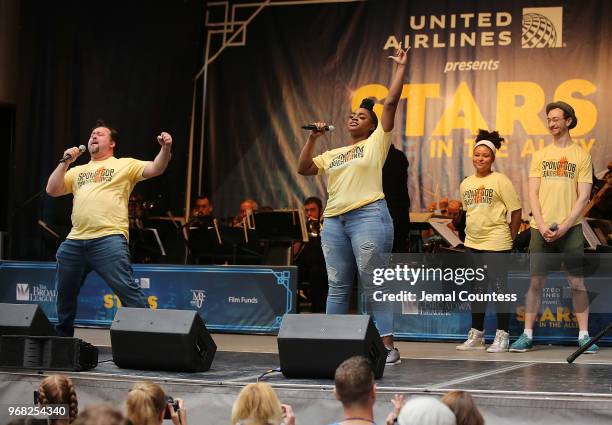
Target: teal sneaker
point(593, 349)
point(521, 345)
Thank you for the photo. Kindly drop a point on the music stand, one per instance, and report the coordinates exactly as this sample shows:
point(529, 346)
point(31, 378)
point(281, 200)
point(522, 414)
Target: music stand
point(172, 234)
point(204, 239)
point(146, 245)
point(280, 229)
point(240, 243)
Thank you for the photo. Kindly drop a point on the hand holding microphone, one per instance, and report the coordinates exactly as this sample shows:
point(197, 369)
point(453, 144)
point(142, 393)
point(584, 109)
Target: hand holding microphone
point(550, 234)
point(70, 155)
point(318, 128)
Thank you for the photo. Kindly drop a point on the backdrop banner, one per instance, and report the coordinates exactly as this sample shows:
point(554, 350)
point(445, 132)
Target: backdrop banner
point(472, 64)
point(249, 299)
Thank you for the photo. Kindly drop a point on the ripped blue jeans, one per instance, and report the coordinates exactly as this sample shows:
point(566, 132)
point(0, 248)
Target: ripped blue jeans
point(352, 242)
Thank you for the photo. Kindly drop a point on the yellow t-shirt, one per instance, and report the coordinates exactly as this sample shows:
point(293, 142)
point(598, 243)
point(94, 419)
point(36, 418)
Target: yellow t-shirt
point(354, 173)
point(486, 201)
point(101, 192)
point(560, 170)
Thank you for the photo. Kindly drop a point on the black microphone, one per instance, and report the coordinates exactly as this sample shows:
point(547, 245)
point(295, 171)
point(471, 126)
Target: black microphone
point(66, 157)
point(553, 227)
point(314, 127)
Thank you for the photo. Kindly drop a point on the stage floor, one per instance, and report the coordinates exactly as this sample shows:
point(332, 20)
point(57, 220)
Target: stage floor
point(535, 386)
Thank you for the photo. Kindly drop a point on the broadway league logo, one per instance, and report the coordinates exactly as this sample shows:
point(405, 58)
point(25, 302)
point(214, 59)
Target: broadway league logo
point(542, 27)
point(198, 296)
point(23, 292)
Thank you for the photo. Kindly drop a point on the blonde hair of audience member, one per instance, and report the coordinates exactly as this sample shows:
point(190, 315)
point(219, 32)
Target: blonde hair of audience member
point(463, 406)
point(146, 404)
point(258, 404)
point(100, 414)
point(58, 389)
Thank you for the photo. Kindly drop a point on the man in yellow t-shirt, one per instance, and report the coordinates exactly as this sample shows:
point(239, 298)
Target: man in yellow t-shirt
point(98, 239)
point(560, 180)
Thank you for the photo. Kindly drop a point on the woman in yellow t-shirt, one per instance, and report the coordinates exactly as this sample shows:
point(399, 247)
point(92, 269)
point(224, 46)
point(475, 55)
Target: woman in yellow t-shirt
point(358, 228)
point(487, 197)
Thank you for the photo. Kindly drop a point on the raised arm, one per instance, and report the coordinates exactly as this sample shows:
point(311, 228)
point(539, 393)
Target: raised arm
point(159, 164)
point(400, 60)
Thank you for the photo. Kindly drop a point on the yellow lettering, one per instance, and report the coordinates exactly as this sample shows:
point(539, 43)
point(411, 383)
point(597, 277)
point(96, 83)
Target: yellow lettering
point(439, 148)
point(377, 91)
point(507, 111)
point(587, 145)
point(462, 113)
point(417, 95)
point(529, 147)
point(391, 43)
point(152, 300)
point(585, 110)
point(547, 316)
point(563, 314)
point(502, 152)
point(108, 301)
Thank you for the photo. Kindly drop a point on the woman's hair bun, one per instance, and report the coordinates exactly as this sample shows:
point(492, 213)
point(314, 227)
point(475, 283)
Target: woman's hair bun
point(368, 103)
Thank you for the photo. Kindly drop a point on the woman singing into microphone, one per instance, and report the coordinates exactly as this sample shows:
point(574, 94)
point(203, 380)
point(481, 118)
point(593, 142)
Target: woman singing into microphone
point(487, 197)
point(358, 226)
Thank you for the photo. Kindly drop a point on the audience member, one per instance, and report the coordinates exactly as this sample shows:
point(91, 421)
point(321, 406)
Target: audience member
point(257, 404)
point(463, 406)
point(425, 411)
point(100, 414)
point(356, 390)
point(58, 389)
point(147, 404)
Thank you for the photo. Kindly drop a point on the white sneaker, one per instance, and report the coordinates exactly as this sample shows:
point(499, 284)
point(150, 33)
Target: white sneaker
point(393, 356)
point(475, 341)
point(501, 343)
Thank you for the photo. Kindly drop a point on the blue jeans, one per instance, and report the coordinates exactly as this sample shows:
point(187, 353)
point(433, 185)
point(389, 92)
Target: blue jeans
point(109, 256)
point(353, 242)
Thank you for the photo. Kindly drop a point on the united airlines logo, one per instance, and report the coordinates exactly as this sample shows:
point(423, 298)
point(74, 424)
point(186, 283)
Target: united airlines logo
point(198, 297)
point(542, 27)
point(23, 292)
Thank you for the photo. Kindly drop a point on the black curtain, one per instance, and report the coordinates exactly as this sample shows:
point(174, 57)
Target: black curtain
point(129, 63)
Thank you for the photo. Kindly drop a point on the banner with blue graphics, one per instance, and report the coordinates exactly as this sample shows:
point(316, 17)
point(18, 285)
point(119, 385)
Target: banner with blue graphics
point(249, 299)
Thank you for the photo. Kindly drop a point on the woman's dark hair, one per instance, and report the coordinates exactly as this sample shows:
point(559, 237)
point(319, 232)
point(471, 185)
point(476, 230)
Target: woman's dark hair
point(491, 136)
point(368, 103)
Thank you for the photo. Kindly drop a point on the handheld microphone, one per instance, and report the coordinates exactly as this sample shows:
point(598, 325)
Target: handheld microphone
point(553, 227)
point(66, 157)
point(314, 127)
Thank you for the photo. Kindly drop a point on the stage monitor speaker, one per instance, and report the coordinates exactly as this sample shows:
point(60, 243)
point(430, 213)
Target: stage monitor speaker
point(314, 345)
point(24, 319)
point(47, 353)
point(170, 340)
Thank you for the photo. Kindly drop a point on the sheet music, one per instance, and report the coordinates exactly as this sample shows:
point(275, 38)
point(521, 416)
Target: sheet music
point(440, 226)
